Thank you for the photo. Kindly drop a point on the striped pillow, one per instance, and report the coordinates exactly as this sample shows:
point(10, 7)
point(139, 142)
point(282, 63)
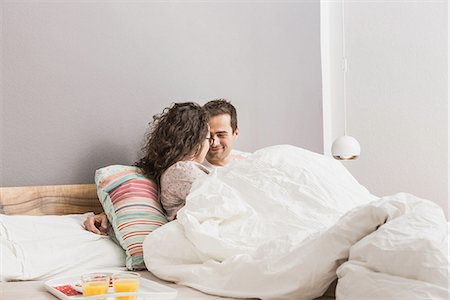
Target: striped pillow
point(132, 206)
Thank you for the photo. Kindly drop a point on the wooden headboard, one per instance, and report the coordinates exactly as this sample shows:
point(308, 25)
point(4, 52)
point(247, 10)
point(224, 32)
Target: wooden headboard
point(49, 200)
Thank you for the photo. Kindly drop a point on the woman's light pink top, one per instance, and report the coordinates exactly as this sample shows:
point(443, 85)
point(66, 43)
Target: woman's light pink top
point(176, 183)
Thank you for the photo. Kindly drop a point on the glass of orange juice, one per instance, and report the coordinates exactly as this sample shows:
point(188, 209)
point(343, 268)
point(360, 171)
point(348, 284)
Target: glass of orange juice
point(126, 282)
point(95, 284)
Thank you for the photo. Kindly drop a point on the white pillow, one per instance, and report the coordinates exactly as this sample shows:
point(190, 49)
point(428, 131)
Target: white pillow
point(40, 247)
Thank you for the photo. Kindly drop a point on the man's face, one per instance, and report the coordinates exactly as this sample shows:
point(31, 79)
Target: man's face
point(224, 138)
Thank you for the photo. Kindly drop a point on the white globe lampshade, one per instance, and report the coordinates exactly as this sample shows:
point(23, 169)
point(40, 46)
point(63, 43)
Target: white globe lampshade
point(345, 148)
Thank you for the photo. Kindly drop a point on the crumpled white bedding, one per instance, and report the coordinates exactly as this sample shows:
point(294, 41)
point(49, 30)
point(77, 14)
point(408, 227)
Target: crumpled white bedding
point(41, 247)
point(272, 227)
point(407, 257)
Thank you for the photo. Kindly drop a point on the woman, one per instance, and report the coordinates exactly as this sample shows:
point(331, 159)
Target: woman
point(175, 147)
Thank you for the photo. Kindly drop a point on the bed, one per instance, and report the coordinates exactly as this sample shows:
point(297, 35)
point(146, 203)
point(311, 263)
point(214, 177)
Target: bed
point(284, 223)
point(77, 199)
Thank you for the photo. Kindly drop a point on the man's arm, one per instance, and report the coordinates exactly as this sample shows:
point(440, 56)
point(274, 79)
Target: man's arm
point(97, 224)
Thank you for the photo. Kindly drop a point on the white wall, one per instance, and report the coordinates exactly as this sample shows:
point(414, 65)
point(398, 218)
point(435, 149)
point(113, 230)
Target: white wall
point(397, 87)
point(81, 79)
point(1, 92)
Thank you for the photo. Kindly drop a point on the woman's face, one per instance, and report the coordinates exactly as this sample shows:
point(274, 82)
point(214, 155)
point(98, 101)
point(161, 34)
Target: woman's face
point(200, 157)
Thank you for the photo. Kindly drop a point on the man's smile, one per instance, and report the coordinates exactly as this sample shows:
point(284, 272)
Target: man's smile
point(215, 149)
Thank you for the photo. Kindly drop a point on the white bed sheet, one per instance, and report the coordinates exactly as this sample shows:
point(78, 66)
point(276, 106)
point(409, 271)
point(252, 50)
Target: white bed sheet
point(40, 247)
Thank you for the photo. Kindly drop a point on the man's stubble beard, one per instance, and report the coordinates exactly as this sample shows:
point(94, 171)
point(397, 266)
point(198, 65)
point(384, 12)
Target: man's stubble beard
point(220, 156)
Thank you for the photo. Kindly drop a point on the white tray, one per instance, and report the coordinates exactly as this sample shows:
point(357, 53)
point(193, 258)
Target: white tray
point(147, 290)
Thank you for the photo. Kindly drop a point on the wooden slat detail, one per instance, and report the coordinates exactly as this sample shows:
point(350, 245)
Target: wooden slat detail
point(49, 200)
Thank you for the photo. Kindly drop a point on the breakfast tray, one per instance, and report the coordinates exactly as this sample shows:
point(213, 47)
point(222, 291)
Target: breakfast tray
point(63, 289)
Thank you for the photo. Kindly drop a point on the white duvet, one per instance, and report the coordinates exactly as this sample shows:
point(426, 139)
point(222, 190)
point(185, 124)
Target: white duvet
point(285, 222)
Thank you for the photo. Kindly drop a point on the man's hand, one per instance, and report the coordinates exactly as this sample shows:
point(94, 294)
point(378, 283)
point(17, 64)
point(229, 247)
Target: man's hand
point(97, 224)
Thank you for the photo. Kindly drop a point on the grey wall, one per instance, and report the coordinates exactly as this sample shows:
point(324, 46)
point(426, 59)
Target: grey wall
point(82, 80)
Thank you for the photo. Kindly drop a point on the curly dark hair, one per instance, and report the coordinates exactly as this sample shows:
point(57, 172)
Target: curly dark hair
point(222, 106)
point(176, 133)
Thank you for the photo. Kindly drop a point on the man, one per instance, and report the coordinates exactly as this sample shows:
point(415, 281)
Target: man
point(224, 132)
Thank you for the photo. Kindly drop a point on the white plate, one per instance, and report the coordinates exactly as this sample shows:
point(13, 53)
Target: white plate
point(148, 289)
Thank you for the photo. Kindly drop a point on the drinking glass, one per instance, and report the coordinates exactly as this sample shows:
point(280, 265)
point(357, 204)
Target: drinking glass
point(126, 282)
point(95, 284)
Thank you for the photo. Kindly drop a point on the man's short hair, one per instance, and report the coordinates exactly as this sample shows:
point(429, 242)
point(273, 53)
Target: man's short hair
point(222, 106)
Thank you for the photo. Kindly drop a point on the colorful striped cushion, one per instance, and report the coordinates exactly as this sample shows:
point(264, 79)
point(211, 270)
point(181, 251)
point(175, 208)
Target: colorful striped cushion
point(131, 202)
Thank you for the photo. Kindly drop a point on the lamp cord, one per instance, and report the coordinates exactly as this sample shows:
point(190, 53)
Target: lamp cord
point(344, 61)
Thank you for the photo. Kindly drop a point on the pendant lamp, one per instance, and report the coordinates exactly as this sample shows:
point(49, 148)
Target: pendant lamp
point(345, 147)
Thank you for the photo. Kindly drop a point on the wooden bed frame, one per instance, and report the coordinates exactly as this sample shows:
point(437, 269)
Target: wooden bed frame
point(49, 200)
point(61, 200)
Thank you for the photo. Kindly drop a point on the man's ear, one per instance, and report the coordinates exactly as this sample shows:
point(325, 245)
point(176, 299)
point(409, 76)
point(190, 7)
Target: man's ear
point(236, 133)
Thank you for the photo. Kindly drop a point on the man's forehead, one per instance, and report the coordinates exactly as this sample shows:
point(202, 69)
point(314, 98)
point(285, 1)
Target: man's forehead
point(220, 123)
